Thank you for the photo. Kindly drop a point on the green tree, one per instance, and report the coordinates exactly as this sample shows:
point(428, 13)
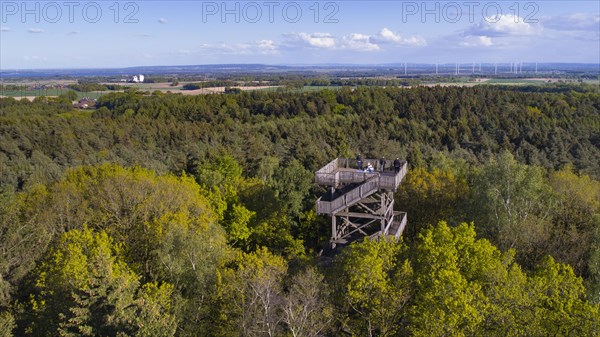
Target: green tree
point(85, 289)
point(576, 224)
point(237, 224)
point(27, 227)
point(445, 302)
point(69, 96)
point(249, 296)
point(512, 205)
point(466, 286)
point(374, 287)
point(432, 195)
point(134, 206)
point(7, 324)
point(292, 184)
point(305, 307)
point(562, 306)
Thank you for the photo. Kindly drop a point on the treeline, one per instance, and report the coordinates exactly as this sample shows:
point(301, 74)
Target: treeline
point(221, 83)
point(91, 86)
point(355, 82)
point(12, 87)
point(553, 87)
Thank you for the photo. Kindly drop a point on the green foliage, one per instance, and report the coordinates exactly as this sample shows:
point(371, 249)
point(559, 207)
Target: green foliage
point(306, 308)
point(452, 283)
point(223, 173)
point(7, 324)
point(375, 285)
point(84, 288)
point(88, 86)
point(576, 225)
point(276, 233)
point(511, 202)
point(432, 195)
point(563, 309)
point(135, 206)
point(291, 184)
point(249, 295)
point(69, 96)
point(153, 316)
point(446, 302)
point(26, 229)
point(237, 224)
point(465, 286)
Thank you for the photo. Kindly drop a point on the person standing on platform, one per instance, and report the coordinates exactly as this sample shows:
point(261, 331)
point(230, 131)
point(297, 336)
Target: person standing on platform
point(359, 160)
point(397, 165)
point(382, 164)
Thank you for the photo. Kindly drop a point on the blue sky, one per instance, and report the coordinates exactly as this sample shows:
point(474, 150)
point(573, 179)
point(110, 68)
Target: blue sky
point(89, 34)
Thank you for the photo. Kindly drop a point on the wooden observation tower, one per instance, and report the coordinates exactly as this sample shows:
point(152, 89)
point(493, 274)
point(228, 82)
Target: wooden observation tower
point(360, 203)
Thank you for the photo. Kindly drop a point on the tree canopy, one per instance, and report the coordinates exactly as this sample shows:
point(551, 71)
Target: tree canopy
point(173, 215)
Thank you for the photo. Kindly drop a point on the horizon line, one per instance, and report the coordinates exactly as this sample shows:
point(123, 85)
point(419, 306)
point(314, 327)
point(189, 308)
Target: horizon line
point(301, 65)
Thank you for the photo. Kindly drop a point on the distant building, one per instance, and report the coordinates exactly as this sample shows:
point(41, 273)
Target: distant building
point(138, 79)
point(85, 103)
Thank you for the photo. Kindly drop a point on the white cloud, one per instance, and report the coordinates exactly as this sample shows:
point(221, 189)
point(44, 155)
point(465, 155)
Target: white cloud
point(360, 42)
point(354, 41)
point(414, 41)
point(35, 30)
point(505, 25)
point(162, 20)
point(386, 36)
point(265, 46)
point(5, 29)
point(476, 41)
point(259, 47)
point(314, 40)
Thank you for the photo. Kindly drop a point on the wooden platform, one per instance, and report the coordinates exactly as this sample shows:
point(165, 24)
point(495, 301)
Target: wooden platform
point(344, 171)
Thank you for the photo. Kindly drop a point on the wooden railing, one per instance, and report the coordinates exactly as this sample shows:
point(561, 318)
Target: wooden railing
point(328, 174)
point(370, 186)
point(338, 171)
point(392, 182)
point(398, 224)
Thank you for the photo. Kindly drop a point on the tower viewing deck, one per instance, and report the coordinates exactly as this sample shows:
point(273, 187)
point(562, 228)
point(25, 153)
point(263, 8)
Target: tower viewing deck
point(357, 200)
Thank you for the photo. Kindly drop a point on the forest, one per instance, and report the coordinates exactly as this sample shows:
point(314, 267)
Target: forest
point(171, 215)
